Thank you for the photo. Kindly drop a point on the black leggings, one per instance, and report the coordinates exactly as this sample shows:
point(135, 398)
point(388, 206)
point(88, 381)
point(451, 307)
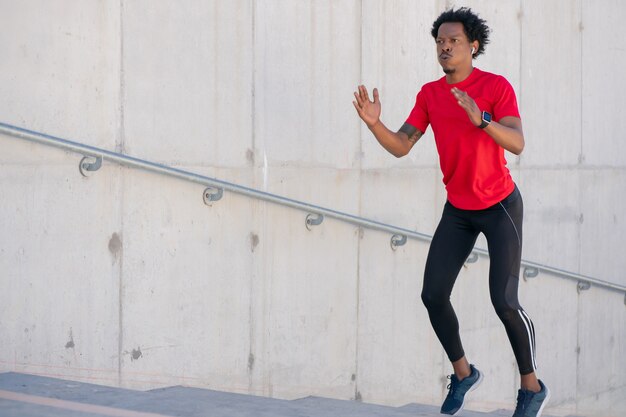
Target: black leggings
point(452, 244)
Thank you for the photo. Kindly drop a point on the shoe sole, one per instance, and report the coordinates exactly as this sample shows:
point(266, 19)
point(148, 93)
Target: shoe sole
point(545, 401)
point(473, 387)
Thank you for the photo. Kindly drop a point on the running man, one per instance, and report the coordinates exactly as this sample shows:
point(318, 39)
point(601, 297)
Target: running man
point(475, 118)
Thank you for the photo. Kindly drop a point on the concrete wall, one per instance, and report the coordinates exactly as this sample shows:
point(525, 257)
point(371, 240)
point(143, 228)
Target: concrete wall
point(126, 278)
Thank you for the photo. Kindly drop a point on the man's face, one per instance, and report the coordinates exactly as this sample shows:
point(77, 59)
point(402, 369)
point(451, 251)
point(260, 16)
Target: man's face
point(454, 50)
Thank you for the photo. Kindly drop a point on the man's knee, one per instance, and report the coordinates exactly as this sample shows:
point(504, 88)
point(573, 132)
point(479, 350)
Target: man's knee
point(506, 312)
point(434, 301)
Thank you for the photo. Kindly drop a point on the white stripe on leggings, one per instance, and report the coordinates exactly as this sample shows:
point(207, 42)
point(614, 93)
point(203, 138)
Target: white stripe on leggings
point(531, 335)
point(532, 330)
point(519, 240)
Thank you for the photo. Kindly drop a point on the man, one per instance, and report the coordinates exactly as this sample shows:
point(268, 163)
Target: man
point(474, 117)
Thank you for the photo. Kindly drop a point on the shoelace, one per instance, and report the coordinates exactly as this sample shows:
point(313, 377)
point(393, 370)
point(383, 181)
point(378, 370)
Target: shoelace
point(453, 385)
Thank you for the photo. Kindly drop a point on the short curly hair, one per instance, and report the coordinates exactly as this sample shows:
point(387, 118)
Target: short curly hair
point(475, 28)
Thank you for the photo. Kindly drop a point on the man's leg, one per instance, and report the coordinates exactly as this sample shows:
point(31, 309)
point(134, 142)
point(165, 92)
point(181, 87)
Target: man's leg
point(451, 245)
point(503, 230)
point(502, 226)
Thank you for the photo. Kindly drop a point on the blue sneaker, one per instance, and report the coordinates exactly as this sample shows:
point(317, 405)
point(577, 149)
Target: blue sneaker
point(531, 404)
point(455, 399)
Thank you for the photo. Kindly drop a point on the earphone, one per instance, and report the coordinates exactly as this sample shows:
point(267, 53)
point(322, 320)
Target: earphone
point(472, 51)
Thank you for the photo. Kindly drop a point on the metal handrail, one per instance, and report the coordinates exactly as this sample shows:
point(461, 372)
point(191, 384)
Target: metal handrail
point(531, 269)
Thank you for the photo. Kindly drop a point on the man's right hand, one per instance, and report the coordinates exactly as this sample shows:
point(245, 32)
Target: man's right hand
point(396, 143)
point(369, 111)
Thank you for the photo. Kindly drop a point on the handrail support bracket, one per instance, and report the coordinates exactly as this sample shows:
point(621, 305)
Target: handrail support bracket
point(582, 286)
point(397, 240)
point(530, 272)
point(473, 258)
point(212, 194)
point(89, 164)
point(313, 220)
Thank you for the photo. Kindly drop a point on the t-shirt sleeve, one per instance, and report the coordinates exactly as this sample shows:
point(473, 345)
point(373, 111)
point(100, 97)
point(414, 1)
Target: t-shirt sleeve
point(505, 100)
point(418, 117)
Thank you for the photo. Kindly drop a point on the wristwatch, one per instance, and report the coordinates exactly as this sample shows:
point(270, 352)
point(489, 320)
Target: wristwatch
point(486, 119)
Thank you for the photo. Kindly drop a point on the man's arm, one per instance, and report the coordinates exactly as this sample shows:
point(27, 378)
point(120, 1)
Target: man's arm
point(396, 143)
point(507, 132)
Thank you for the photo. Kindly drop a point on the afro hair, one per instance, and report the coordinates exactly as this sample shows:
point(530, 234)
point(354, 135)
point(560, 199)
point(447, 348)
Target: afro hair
point(475, 28)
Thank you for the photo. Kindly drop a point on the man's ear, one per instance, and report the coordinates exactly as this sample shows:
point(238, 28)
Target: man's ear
point(475, 46)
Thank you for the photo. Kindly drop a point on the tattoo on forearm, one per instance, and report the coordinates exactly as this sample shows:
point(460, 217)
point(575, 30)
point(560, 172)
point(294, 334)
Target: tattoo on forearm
point(411, 132)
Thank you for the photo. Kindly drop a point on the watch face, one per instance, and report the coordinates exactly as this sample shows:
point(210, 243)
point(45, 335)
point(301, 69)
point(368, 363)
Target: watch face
point(487, 117)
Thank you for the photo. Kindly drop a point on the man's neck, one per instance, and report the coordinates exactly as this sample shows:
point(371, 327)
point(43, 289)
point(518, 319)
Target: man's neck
point(458, 75)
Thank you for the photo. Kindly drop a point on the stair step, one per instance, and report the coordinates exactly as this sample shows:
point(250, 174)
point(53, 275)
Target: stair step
point(51, 397)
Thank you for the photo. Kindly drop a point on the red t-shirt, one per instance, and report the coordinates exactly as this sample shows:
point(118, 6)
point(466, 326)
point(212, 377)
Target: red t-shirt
point(473, 164)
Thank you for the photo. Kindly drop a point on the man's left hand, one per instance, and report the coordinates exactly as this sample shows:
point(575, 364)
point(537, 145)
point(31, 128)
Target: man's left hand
point(469, 105)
